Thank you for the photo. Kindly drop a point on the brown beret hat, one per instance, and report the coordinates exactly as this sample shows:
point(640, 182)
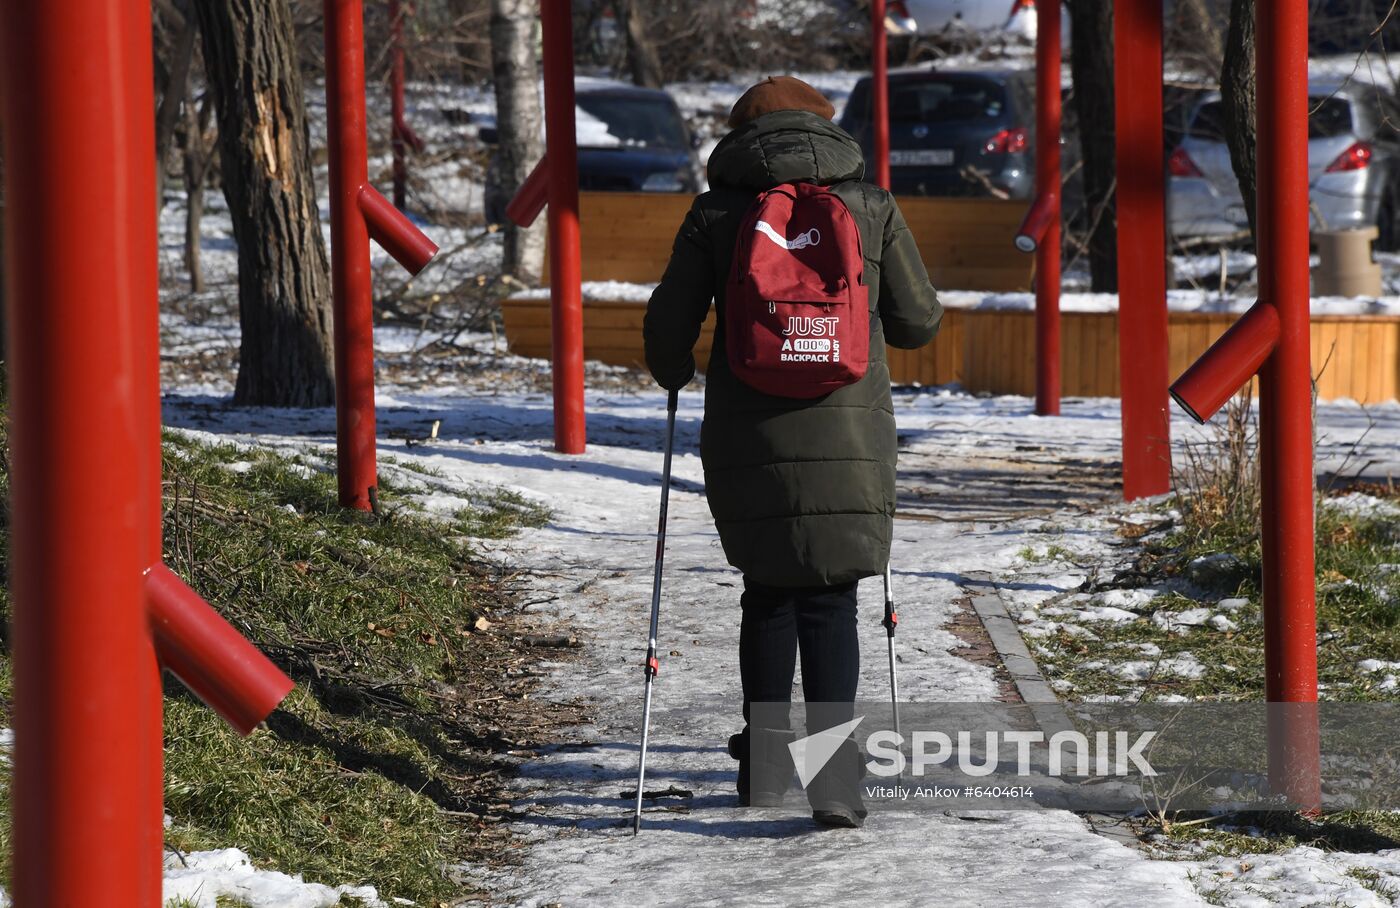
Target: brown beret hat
point(779, 93)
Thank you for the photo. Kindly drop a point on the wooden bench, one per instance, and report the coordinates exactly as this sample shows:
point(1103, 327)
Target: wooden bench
point(966, 244)
point(627, 236)
point(1353, 356)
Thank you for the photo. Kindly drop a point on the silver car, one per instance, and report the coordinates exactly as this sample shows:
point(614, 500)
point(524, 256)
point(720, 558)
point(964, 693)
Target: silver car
point(1352, 166)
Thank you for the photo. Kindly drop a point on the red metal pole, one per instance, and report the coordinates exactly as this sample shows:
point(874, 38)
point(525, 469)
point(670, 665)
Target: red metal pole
point(352, 201)
point(77, 101)
point(1047, 186)
point(529, 200)
point(396, 138)
point(880, 93)
point(565, 270)
point(350, 271)
point(1142, 243)
point(1285, 412)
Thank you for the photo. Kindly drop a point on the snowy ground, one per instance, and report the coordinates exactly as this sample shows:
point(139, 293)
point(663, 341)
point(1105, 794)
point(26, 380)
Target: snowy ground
point(981, 479)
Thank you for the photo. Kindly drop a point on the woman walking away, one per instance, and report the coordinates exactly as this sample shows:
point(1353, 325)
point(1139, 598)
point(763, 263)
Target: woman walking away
point(812, 273)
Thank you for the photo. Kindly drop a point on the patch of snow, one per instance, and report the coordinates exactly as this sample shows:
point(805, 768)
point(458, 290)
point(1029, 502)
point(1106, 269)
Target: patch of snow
point(1107, 613)
point(1181, 622)
point(1223, 624)
point(1131, 600)
point(1185, 665)
point(1299, 876)
point(603, 291)
point(1361, 505)
point(202, 877)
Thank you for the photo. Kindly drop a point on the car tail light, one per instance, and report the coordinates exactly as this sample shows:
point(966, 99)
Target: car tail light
point(898, 9)
point(1019, 5)
point(1357, 157)
point(1181, 165)
point(1008, 141)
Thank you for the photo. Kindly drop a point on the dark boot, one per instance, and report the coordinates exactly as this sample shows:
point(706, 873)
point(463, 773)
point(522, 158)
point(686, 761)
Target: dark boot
point(835, 793)
point(765, 765)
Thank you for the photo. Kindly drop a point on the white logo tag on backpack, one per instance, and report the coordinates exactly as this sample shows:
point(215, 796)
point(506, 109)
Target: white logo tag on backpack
point(810, 238)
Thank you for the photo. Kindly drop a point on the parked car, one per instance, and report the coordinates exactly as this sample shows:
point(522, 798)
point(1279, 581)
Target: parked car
point(632, 140)
point(953, 133)
point(1353, 166)
point(629, 140)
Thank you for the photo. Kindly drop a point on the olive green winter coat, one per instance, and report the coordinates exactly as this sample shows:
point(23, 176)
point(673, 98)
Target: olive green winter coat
point(802, 491)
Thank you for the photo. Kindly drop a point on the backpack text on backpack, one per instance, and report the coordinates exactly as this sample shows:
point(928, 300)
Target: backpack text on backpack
point(797, 317)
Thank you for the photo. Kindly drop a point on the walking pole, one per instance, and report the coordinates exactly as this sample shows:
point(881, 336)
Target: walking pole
point(891, 622)
point(651, 664)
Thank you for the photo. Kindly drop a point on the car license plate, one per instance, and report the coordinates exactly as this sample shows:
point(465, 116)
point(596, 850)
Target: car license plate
point(923, 157)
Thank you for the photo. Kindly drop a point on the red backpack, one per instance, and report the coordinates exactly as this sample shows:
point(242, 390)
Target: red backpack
point(797, 316)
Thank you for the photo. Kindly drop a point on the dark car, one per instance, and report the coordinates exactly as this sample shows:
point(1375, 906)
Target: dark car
point(629, 140)
point(632, 140)
point(953, 133)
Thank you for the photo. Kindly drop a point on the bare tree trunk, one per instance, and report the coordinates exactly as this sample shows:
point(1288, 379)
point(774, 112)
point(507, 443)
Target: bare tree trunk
point(642, 58)
point(4, 354)
point(1237, 101)
point(284, 302)
point(518, 121)
point(168, 111)
point(1197, 30)
point(1091, 63)
point(198, 153)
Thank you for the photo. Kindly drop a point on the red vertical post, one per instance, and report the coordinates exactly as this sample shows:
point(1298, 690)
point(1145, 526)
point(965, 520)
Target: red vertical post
point(1047, 186)
point(75, 90)
point(1142, 243)
point(396, 136)
point(356, 469)
point(565, 270)
point(880, 93)
point(1285, 412)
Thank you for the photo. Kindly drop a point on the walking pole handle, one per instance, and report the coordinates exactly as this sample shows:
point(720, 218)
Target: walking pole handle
point(891, 620)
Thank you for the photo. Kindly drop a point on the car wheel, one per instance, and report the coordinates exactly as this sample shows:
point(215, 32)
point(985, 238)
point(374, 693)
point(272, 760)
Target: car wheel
point(1388, 221)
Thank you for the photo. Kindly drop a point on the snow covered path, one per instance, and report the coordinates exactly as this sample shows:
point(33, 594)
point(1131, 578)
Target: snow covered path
point(979, 480)
point(596, 556)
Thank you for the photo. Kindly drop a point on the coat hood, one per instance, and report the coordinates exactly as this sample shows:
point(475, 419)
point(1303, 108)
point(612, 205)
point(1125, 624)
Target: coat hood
point(783, 147)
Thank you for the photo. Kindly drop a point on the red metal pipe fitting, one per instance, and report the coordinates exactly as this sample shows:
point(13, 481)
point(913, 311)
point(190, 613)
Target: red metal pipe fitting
point(1230, 362)
point(351, 278)
point(1043, 212)
point(880, 93)
point(211, 658)
point(388, 227)
point(1143, 368)
point(565, 268)
point(529, 200)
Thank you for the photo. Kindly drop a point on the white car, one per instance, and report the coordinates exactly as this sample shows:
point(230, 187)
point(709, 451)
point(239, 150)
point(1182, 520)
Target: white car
point(930, 17)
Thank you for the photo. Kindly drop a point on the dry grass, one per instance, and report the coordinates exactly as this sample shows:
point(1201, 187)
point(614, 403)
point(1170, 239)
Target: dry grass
point(387, 764)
